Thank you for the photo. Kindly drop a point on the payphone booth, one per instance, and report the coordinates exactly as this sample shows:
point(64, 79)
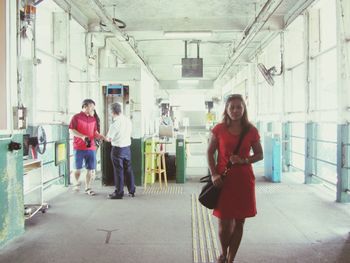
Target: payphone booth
point(112, 93)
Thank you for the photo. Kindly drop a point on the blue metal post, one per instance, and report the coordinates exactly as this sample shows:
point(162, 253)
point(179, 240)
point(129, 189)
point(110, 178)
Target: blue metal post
point(286, 146)
point(273, 158)
point(310, 153)
point(269, 127)
point(343, 160)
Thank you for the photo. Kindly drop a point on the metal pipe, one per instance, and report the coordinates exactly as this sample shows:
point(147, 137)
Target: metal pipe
point(323, 161)
point(250, 33)
point(101, 13)
point(307, 62)
point(38, 2)
point(298, 137)
point(323, 52)
point(295, 66)
point(298, 153)
point(36, 61)
point(296, 11)
point(323, 141)
point(297, 168)
point(73, 11)
point(185, 48)
point(99, 53)
point(282, 54)
point(83, 81)
point(58, 58)
point(19, 47)
point(323, 179)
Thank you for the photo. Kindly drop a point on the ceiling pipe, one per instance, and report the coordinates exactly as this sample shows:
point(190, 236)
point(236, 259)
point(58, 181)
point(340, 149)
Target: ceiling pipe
point(249, 34)
point(74, 12)
point(296, 10)
point(108, 21)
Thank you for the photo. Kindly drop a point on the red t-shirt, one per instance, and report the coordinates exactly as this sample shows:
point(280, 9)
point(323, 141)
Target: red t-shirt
point(237, 198)
point(85, 124)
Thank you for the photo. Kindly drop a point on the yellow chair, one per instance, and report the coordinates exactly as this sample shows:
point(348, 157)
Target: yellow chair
point(160, 167)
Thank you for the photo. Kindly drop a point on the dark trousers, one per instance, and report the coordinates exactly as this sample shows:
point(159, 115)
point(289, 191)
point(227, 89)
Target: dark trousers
point(121, 160)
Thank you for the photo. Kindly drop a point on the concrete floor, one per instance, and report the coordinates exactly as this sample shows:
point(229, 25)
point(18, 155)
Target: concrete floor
point(295, 223)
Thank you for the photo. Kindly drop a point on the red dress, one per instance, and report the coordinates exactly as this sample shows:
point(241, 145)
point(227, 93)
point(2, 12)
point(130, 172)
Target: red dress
point(237, 198)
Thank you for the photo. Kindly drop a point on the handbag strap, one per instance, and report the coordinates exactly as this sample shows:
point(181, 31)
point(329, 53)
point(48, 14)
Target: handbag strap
point(236, 150)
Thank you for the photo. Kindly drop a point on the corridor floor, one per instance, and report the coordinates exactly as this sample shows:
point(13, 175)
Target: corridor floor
point(295, 223)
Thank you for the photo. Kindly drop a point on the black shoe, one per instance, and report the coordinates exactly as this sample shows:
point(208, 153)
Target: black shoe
point(115, 196)
point(132, 194)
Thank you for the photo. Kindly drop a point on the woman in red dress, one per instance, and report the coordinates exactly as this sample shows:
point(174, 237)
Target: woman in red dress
point(237, 198)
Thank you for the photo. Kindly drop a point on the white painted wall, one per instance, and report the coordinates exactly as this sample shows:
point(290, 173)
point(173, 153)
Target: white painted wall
point(147, 90)
point(3, 90)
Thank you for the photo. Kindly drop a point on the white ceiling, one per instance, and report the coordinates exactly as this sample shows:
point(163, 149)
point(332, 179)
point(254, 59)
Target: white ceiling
point(146, 20)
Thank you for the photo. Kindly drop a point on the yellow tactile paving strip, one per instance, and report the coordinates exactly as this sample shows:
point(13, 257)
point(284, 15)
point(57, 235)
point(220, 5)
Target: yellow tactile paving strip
point(157, 190)
point(204, 241)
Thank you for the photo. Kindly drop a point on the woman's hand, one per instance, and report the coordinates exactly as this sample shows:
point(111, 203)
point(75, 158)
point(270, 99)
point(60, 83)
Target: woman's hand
point(235, 159)
point(217, 180)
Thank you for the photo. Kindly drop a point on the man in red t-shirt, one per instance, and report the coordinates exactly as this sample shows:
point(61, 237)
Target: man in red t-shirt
point(83, 127)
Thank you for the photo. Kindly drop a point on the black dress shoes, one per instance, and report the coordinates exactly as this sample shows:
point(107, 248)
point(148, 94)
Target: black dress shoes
point(115, 196)
point(132, 194)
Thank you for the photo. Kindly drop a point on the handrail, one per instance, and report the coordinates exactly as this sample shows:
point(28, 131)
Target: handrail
point(321, 160)
point(298, 137)
point(325, 141)
point(297, 168)
point(303, 154)
point(323, 179)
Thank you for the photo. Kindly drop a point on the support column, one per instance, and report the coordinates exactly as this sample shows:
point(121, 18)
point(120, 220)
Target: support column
point(269, 127)
point(11, 190)
point(343, 164)
point(343, 79)
point(310, 153)
point(286, 146)
point(137, 160)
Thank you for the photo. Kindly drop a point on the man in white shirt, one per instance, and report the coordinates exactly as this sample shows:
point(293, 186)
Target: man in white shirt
point(119, 135)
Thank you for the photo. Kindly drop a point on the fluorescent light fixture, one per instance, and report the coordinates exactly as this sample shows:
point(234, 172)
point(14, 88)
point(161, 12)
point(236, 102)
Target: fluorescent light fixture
point(188, 81)
point(187, 34)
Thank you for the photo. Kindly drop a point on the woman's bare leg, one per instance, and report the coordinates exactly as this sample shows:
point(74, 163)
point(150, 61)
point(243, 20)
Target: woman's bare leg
point(225, 234)
point(235, 239)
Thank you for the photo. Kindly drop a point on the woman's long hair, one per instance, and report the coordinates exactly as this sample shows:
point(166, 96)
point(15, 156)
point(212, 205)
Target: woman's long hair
point(98, 124)
point(244, 120)
point(98, 121)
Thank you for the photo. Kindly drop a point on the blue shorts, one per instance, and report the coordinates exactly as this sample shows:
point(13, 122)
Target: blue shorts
point(89, 158)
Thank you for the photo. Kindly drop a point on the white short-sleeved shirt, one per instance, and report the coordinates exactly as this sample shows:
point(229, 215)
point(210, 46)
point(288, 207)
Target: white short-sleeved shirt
point(120, 131)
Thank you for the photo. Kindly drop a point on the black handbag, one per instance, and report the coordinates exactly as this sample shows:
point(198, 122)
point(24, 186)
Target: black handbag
point(209, 195)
